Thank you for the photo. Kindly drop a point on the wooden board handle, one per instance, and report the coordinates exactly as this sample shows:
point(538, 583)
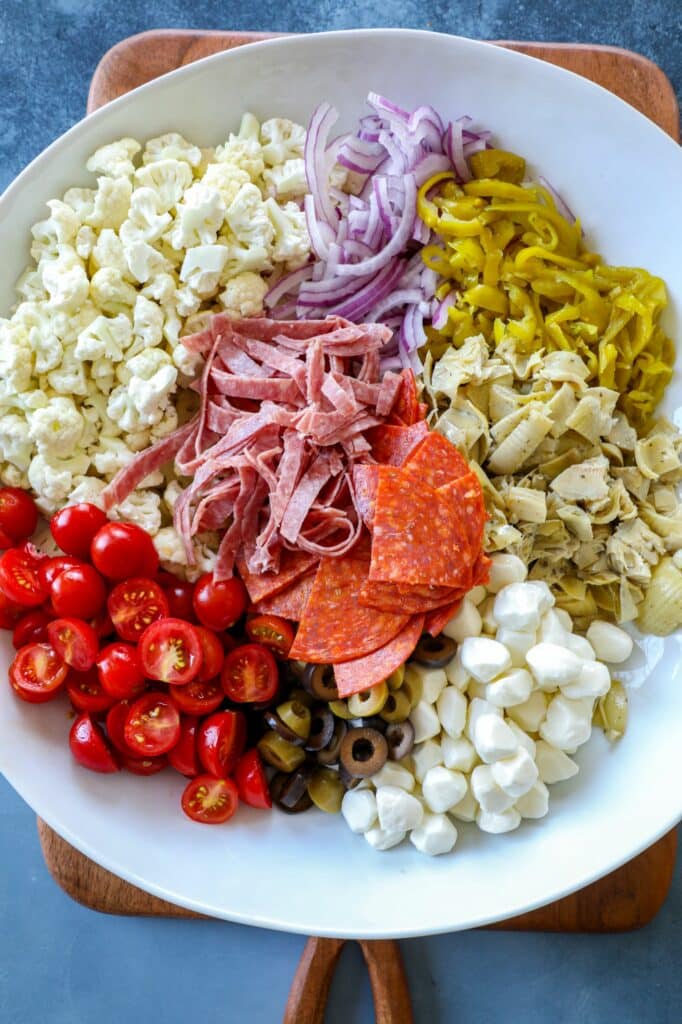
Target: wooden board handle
point(309, 992)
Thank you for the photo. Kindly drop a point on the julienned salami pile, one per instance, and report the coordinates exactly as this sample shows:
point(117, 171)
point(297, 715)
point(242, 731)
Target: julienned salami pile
point(365, 611)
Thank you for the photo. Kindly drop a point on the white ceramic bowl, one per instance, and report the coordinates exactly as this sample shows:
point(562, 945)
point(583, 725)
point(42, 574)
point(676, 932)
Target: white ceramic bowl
point(310, 874)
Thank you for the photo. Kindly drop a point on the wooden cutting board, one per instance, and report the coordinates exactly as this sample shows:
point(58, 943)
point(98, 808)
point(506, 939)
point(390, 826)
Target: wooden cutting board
point(632, 895)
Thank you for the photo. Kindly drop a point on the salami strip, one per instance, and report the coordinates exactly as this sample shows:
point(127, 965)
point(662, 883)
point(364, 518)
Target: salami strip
point(391, 597)
point(365, 479)
point(436, 461)
point(361, 673)
point(417, 535)
point(391, 445)
point(406, 409)
point(293, 565)
point(335, 626)
point(289, 603)
point(466, 495)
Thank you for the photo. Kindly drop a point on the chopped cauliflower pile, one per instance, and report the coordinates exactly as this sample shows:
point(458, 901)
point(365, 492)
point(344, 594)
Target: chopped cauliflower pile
point(570, 487)
point(91, 359)
point(498, 724)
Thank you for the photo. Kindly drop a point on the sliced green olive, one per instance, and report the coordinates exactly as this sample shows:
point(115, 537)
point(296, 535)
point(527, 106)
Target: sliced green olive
point(611, 711)
point(363, 752)
point(434, 651)
point(326, 790)
point(340, 709)
point(278, 752)
point(395, 680)
point(368, 702)
point(296, 716)
point(397, 707)
point(413, 687)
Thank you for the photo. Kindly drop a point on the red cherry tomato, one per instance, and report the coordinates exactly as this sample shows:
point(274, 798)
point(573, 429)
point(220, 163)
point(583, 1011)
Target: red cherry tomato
point(50, 568)
point(171, 651)
point(31, 628)
point(74, 527)
point(18, 513)
point(86, 692)
point(210, 801)
point(153, 725)
point(179, 594)
point(200, 697)
point(102, 625)
point(89, 746)
point(120, 671)
point(273, 632)
point(183, 757)
point(213, 654)
point(20, 580)
point(115, 723)
point(252, 782)
point(10, 612)
point(5, 540)
point(134, 604)
point(220, 741)
point(219, 605)
point(249, 674)
point(75, 642)
point(37, 673)
point(79, 593)
point(143, 765)
point(120, 550)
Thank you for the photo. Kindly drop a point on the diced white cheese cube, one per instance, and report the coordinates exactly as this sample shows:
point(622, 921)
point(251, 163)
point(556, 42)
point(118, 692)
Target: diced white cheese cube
point(568, 723)
point(425, 756)
point(498, 822)
point(476, 689)
point(443, 788)
point(425, 721)
point(478, 707)
point(488, 621)
point(467, 622)
point(594, 681)
point(522, 738)
point(516, 774)
point(534, 803)
point(433, 681)
point(477, 595)
point(393, 774)
point(493, 739)
point(466, 809)
point(359, 808)
point(398, 811)
point(505, 569)
point(484, 659)
point(452, 711)
point(580, 646)
point(517, 642)
point(519, 606)
point(489, 795)
point(458, 753)
point(552, 629)
point(380, 839)
point(565, 619)
point(553, 666)
point(610, 643)
point(456, 673)
point(435, 835)
point(531, 714)
point(511, 688)
point(553, 765)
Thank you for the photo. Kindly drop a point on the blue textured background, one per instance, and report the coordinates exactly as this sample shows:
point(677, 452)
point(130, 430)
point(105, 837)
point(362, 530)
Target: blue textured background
point(61, 964)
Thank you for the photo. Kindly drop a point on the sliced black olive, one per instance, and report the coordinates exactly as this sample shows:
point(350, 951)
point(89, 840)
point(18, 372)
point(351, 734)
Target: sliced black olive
point(363, 752)
point(274, 722)
point(349, 781)
point(321, 729)
point(374, 722)
point(290, 792)
point(434, 651)
point(319, 680)
point(330, 754)
point(400, 739)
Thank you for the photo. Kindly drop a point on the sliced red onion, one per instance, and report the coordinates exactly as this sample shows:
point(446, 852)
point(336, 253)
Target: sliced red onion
point(386, 107)
point(400, 297)
point(288, 283)
point(454, 147)
point(432, 163)
point(317, 163)
point(321, 234)
point(560, 203)
point(440, 316)
point(396, 243)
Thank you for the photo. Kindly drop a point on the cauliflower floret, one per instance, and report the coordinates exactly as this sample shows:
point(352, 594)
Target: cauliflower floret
point(142, 508)
point(171, 494)
point(199, 217)
point(81, 201)
point(166, 425)
point(115, 159)
point(172, 326)
point(52, 480)
point(162, 288)
point(147, 322)
point(108, 252)
point(144, 261)
point(112, 201)
point(16, 446)
point(247, 216)
point(112, 454)
point(68, 378)
point(110, 292)
point(57, 429)
point(13, 477)
point(205, 552)
point(187, 302)
point(244, 149)
point(86, 240)
point(168, 179)
point(32, 321)
point(30, 286)
point(187, 362)
point(170, 549)
point(171, 146)
point(105, 338)
point(144, 223)
point(65, 280)
point(244, 294)
point(281, 140)
point(292, 242)
point(287, 179)
point(87, 488)
point(16, 357)
point(141, 402)
point(202, 267)
point(60, 228)
point(226, 179)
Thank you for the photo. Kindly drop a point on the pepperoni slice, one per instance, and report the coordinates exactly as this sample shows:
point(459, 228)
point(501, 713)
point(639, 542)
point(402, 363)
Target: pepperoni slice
point(392, 597)
point(436, 461)
point(436, 620)
point(335, 627)
point(391, 445)
point(406, 408)
point(294, 564)
point(466, 495)
point(289, 603)
point(360, 673)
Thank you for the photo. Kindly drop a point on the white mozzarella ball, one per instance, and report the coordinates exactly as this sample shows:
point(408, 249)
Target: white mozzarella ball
point(610, 643)
point(380, 839)
point(489, 795)
point(594, 681)
point(553, 765)
point(476, 689)
point(519, 606)
point(531, 714)
point(398, 811)
point(515, 775)
point(425, 756)
point(580, 646)
point(505, 569)
point(443, 788)
point(425, 721)
point(433, 681)
point(565, 619)
point(359, 808)
point(458, 753)
point(452, 711)
point(498, 822)
point(477, 595)
point(553, 665)
point(568, 723)
point(517, 642)
point(522, 738)
point(511, 688)
point(493, 739)
point(534, 803)
point(467, 622)
point(484, 659)
point(456, 673)
point(552, 629)
point(435, 835)
point(478, 707)
point(488, 621)
point(393, 774)
point(466, 809)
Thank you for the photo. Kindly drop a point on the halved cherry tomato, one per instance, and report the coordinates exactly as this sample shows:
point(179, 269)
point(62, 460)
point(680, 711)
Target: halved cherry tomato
point(120, 550)
point(18, 513)
point(37, 673)
point(143, 765)
point(134, 604)
point(212, 651)
point(86, 692)
point(219, 605)
point(115, 723)
point(52, 567)
point(10, 612)
point(200, 697)
point(31, 628)
point(153, 725)
point(78, 592)
point(89, 747)
point(74, 527)
point(210, 801)
point(28, 549)
point(252, 782)
point(249, 674)
point(220, 742)
point(102, 625)
point(179, 594)
point(273, 632)
point(19, 579)
point(171, 651)
point(183, 757)
point(75, 642)
point(120, 670)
